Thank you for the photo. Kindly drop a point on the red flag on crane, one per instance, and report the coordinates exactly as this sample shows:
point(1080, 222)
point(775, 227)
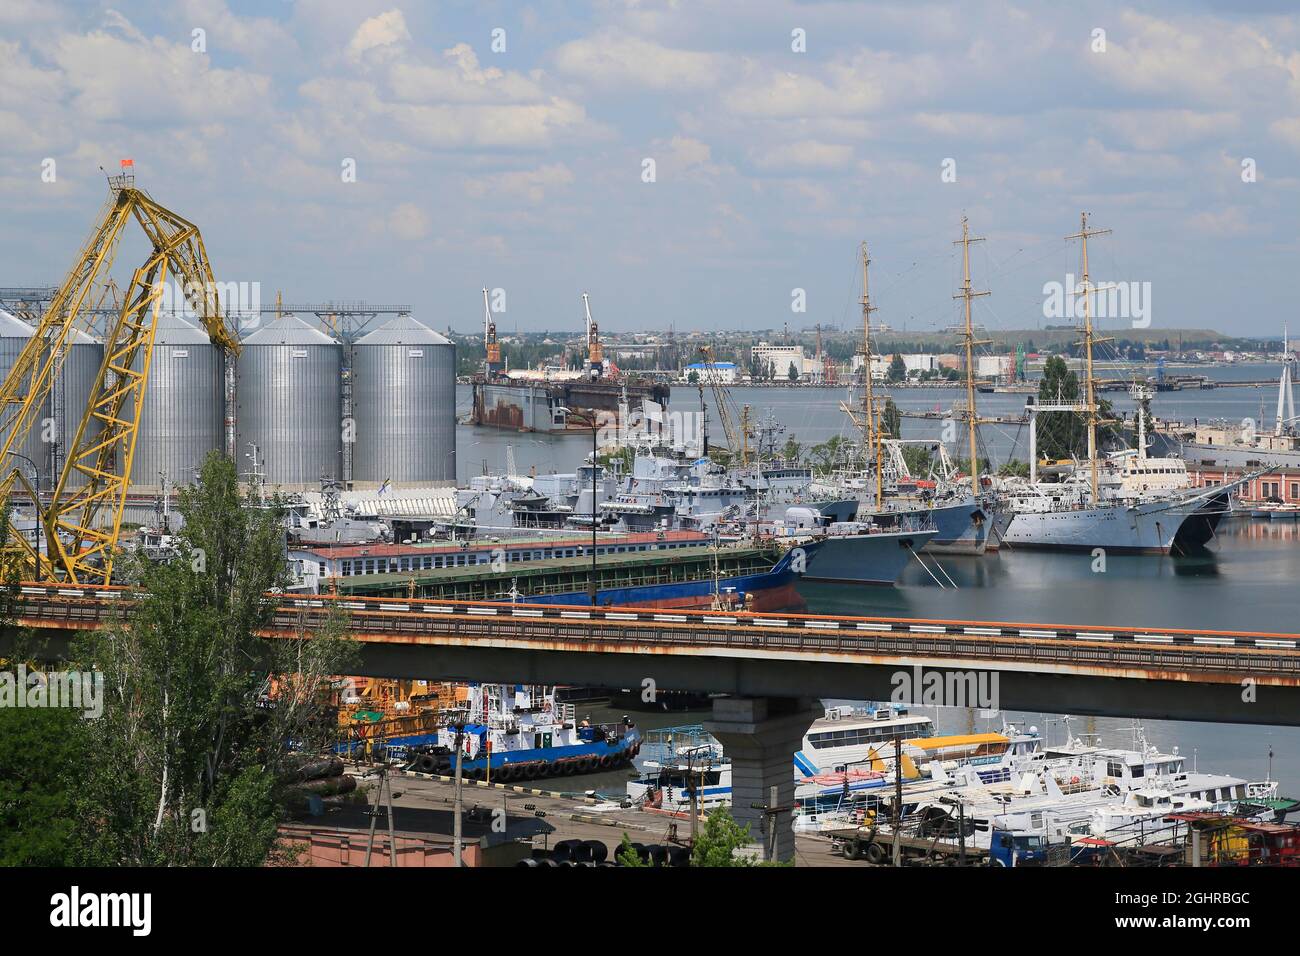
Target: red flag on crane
point(128, 162)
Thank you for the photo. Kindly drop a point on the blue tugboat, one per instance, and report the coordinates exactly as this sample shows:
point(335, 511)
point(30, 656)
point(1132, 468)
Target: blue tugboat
point(510, 732)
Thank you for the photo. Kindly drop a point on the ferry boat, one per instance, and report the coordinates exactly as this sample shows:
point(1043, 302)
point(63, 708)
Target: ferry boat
point(516, 732)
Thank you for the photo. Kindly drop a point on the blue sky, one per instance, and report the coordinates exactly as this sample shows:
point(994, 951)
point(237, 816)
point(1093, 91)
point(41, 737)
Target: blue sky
point(523, 169)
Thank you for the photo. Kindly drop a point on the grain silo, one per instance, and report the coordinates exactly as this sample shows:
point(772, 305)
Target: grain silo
point(404, 403)
point(14, 336)
point(71, 394)
point(290, 403)
point(182, 418)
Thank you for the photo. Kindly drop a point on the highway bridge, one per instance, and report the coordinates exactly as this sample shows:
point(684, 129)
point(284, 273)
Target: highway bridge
point(1143, 672)
point(773, 667)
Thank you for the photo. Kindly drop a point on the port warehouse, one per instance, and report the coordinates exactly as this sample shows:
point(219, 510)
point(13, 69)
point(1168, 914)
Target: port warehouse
point(378, 408)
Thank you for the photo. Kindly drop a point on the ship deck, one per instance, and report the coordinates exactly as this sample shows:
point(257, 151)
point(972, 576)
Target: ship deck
point(564, 575)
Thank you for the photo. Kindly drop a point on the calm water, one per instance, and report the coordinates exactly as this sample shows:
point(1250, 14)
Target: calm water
point(1247, 581)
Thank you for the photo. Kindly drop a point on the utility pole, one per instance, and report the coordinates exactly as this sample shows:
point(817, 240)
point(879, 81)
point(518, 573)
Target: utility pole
point(457, 844)
point(385, 793)
point(898, 800)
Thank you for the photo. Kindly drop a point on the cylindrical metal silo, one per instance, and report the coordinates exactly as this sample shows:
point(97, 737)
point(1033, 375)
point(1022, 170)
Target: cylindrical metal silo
point(69, 397)
point(404, 403)
point(14, 336)
point(289, 394)
point(182, 418)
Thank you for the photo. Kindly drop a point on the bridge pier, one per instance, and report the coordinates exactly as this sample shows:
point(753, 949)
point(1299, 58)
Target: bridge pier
point(760, 736)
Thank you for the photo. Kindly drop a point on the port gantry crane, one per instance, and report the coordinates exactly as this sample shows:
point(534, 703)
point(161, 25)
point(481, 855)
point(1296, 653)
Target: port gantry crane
point(81, 519)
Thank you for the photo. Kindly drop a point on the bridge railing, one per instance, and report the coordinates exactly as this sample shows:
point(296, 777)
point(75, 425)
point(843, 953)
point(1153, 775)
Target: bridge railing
point(1184, 650)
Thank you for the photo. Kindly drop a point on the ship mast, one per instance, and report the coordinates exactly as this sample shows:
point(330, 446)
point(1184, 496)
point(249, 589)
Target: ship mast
point(871, 429)
point(968, 335)
point(1086, 291)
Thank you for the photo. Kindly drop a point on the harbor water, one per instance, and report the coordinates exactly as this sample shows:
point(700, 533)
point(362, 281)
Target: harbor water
point(1246, 581)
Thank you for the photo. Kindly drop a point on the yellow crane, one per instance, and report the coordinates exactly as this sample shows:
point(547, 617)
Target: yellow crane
point(80, 521)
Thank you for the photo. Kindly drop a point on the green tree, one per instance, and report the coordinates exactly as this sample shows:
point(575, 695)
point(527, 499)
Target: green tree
point(918, 460)
point(720, 838)
point(792, 451)
point(891, 420)
point(39, 761)
point(627, 856)
point(1060, 434)
point(793, 373)
point(1014, 469)
point(183, 767)
point(897, 368)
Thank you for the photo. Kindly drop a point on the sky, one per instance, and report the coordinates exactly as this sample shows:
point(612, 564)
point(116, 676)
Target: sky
point(705, 164)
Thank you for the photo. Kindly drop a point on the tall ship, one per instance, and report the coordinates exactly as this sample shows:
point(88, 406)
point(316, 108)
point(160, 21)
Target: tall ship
point(556, 400)
point(1142, 511)
point(962, 514)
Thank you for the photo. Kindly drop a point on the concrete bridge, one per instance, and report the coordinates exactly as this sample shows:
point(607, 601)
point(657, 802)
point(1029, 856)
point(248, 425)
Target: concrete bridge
point(774, 667)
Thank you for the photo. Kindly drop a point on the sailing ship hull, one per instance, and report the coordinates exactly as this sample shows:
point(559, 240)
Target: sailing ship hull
point(961, 528)
point(865, 558)
point(1155, 528)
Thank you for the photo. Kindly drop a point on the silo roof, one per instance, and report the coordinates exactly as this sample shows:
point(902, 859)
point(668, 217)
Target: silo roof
point(403, 330)
point(12, 327)
point(174, 330)
point(288, 330)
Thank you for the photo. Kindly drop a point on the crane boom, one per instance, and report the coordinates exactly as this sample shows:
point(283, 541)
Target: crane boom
point(82, 519)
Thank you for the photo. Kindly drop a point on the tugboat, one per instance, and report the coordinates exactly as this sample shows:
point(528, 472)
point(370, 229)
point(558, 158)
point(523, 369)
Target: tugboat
point(516, 732)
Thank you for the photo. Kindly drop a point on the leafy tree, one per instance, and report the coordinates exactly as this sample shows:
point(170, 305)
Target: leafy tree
point(183, 767)
point(627, 856)
point(793, 373)
point(720, 837)
point(39, 760)
point(1060, 434)
point(1063, 435)
point(793, 450)
point(891, 420)
point(825, 454)
point(897, 368)
point(918, 459)
point(1014, 469)
point(694, 377)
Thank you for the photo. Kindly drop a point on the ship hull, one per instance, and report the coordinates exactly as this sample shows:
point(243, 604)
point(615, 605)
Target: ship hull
point(865, 558)
point(1144, 529)
point(772, 590)
point(962, 528)
point(1221, 456)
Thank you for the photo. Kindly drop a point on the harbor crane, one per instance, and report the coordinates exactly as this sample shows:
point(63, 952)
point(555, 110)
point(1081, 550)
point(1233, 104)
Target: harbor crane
point(80, 519)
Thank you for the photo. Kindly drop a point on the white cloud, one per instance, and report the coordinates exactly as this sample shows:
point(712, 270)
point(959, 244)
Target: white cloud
point(805, 154)
point(378, 37)
point(530, 184)
point(408, 222)
point(616, 60)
